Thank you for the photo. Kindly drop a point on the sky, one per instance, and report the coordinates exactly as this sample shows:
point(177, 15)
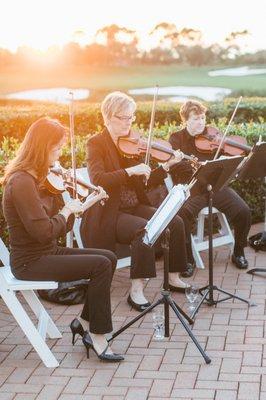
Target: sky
point(40, 24)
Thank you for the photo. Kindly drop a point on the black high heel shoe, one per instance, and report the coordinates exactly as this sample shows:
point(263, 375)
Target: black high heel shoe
point(76, 327)
point(136, 306)
point(87, 341)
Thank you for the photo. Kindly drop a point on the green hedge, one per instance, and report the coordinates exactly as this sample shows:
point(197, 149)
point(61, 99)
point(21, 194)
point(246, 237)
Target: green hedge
point(16, 117)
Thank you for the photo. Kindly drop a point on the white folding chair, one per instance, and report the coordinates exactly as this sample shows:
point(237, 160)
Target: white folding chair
point(75, 233)
point(198, 241)
point(9, 286)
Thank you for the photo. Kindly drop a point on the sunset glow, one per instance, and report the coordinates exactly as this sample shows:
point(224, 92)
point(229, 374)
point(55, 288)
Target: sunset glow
point(41, 24)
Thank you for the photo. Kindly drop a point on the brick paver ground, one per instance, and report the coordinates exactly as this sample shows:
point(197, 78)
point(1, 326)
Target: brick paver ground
point(232, 334)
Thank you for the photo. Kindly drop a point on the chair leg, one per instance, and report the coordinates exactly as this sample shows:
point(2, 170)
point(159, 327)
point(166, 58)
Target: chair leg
point(196, 254)
point(40, 312)
point(200, 227)
point(28, 328)
point(225, 227)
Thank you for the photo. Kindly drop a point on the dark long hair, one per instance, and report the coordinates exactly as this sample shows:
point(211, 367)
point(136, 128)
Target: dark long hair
point(33, 153)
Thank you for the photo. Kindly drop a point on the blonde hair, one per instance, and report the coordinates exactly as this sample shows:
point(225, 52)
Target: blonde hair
point(33, 153)
point(116, 102)
point(191, 106)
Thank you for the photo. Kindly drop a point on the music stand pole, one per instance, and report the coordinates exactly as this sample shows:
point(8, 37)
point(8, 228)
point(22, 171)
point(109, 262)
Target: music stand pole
point(207, 291)
point(167, 301)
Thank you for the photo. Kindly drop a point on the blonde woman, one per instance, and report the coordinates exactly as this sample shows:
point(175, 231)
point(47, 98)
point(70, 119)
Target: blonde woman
point(126, 212)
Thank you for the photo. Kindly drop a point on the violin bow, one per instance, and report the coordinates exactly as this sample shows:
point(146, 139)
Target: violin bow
point(227, 128)
point(72, 142)
point(149, 141)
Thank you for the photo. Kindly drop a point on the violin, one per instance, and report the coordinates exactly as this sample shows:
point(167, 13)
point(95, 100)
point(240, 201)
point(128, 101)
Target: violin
point(210, 141)
point(60, 179)
point(133, 145)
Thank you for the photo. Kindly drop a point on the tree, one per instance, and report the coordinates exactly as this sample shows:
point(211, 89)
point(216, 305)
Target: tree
point(121, 43)
point(232, 43)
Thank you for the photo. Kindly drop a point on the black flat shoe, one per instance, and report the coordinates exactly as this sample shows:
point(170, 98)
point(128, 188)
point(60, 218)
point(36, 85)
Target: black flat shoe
point(189, 271)
point(240, 261)
point(76, 328)
point(177, 288)
point(136, 306)
point(87, 341)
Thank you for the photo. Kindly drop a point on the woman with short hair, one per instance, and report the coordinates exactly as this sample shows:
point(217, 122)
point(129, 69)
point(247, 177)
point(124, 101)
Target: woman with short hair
point(125, 214)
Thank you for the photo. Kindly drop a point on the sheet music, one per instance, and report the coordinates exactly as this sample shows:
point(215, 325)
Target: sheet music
point(165, 213)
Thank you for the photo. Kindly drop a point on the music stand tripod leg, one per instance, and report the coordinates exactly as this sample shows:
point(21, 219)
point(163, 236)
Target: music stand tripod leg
point(166, 300)
point(210, 288)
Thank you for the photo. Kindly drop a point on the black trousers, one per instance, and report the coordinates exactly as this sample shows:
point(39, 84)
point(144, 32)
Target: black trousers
point(143, 257)
point(69, 264)
point(226, 201)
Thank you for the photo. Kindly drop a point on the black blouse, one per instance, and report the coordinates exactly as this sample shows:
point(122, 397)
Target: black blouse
point(33, 222)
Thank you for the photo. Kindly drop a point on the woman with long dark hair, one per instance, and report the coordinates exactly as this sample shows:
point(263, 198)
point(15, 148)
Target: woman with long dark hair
point(36, 219)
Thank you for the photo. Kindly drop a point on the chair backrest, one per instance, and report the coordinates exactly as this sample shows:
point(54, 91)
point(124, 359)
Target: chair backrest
point(4, 253)
point(83, 172)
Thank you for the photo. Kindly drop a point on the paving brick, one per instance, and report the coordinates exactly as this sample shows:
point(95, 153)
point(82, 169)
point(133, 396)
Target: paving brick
point(231, 365)
point(215, 343)
point(155, 374)
point(101, 378)
point(79, 397)
point(248, 391)
point(150, 363)
point(173, 356)
point(51, 392)
point(7, 396)
point(185, 380)
point(226, 395)
point(137, 394)
point(76, 385)
point(25, 396)
point(126, 370)
point(240, 377)
point(209, 372)
point(193, 393)
point(216, 385)
point(20, 388)
point(141, 341)
point(136, 382)
point(254, 332)
point(161, 388)
point(108, 391)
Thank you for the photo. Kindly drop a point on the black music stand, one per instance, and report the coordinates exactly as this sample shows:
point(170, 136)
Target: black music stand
point(255, 167)
point(211, 177)
point(157, 226)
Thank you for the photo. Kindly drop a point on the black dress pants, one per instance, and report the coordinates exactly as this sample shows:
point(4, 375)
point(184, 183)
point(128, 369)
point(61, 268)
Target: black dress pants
point(231, 204)
point(69, 264)
point(132, 222)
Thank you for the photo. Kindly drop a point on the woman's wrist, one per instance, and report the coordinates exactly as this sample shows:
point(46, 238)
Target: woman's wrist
point(166, 166)
point(128, 171)
point(66, 212)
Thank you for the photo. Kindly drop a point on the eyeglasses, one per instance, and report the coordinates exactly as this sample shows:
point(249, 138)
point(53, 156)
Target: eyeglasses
point(132, 118)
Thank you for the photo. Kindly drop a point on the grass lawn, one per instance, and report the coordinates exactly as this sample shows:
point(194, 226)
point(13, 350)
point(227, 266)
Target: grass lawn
point(122, 78)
